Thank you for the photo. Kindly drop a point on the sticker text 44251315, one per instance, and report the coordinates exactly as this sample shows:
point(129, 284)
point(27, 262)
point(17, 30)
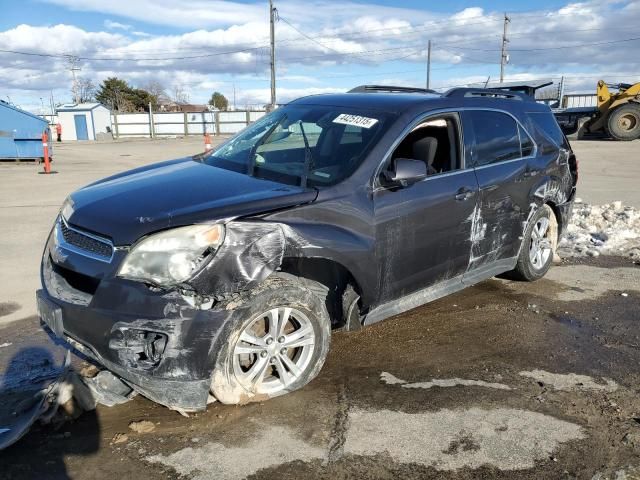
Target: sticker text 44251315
point(355, 120)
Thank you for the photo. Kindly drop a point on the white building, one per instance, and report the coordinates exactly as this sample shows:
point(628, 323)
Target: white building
point(83, 121)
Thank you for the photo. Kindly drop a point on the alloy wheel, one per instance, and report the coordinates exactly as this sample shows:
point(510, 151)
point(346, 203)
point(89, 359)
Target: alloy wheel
point(540, 248)
point(274, 350)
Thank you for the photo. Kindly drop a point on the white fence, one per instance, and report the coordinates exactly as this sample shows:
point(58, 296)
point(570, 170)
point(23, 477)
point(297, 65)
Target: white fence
point(573, 100)
point(180, 124)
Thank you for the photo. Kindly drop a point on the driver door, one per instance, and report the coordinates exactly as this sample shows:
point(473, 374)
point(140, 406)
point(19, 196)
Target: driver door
point(423, 230)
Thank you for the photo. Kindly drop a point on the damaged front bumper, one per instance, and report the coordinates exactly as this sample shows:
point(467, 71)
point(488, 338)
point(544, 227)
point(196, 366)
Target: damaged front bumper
point(162, 345)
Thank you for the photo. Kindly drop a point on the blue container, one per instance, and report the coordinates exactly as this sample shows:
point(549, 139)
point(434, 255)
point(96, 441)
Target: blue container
point(21, 134)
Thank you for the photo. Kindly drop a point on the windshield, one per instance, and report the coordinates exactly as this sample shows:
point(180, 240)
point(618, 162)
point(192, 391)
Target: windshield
point(305, 145)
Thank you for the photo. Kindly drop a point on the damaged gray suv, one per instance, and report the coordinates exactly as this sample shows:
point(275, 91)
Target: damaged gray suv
point(223, 275)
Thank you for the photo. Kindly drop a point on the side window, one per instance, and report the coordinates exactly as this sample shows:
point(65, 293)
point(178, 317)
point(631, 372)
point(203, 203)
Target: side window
point(435, 142)
point(497, 137)
point(548, 124)
point(526, 144)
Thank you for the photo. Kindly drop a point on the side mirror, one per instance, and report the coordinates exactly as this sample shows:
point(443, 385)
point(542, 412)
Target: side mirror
point(406, 172)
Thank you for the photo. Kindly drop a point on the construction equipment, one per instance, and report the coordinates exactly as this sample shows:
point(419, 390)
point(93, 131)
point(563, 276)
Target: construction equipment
point(617, 114)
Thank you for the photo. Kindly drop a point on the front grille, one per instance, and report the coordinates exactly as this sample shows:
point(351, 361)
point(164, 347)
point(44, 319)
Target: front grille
point(76, 280)
point(85, 242)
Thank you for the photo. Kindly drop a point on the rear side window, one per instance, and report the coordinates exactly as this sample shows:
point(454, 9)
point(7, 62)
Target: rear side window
point(525, 142)
point(548, 124)
point(496, 135)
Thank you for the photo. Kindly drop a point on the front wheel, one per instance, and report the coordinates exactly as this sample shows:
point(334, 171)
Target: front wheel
point(624, 122)
point(278, 343)
point(538, 245)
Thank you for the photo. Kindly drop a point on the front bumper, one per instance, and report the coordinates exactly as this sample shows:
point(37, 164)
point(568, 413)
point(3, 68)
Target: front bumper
point(156, 341)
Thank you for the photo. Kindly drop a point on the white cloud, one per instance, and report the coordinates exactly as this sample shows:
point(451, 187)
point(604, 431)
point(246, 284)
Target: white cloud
point(111, 25)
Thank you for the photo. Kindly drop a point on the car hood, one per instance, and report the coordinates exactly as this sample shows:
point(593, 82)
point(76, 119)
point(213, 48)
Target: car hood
point(132, 204)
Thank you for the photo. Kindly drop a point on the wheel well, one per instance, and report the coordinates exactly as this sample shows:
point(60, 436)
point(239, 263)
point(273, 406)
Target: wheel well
point(330, 274)
point(556, 213)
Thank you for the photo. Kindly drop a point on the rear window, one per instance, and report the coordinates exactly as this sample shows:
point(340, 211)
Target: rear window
point(549, 126)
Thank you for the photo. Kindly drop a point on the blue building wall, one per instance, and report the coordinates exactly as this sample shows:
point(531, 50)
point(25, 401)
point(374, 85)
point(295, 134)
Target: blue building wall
point(21, 133)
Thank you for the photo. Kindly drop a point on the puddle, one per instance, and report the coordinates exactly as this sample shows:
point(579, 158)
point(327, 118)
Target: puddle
point(567, 320)
point(7, 308)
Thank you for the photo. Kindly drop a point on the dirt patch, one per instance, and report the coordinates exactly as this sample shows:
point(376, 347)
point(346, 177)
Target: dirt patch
point(7, 308)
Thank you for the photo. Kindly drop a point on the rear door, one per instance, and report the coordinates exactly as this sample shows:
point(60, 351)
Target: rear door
point(501, 148)
point(422, 231)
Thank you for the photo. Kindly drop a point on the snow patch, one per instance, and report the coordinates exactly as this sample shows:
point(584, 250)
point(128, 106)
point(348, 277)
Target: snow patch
point(570, 381)
point(612, 229)
point(389, 379)
point(507, 438)
point(274, 446)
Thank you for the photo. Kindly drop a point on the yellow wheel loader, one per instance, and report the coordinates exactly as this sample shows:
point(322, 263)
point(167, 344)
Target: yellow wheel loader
point(617, 114)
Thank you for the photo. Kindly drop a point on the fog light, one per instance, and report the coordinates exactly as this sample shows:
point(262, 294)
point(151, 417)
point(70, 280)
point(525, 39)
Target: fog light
point(154, 346)
point(140, 348)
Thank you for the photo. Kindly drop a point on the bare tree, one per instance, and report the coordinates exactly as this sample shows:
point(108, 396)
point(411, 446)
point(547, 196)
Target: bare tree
point(85, 90)
point(180, 95)
point(157, 90)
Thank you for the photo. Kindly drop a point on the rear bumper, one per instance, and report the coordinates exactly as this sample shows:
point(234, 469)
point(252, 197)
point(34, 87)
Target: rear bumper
point(565, 210)
point(157, 342)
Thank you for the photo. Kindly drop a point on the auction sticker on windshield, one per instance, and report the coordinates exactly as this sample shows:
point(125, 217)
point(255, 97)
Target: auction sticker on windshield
point(355, 120)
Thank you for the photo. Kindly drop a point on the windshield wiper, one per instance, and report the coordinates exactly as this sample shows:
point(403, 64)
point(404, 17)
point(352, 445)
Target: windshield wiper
point(308, 158)
point(252, 153)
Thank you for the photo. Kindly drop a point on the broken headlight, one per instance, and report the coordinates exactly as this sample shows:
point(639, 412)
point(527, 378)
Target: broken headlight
point(171, 257)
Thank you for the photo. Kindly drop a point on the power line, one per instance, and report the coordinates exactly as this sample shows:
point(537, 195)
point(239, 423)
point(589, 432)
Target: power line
point(560, 47)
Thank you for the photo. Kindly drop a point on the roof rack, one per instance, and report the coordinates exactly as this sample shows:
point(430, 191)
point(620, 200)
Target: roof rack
point(522, 86)
point(390, 89)
point(486, 92)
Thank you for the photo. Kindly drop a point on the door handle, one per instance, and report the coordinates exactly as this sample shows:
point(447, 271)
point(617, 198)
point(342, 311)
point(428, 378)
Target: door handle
point(530, 173)
point(464, 194)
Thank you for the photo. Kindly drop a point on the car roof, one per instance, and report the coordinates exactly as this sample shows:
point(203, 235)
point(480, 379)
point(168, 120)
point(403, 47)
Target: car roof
point(394, 102)
point(401, 102)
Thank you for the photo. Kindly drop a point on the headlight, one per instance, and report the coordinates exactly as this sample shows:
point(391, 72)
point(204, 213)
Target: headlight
point(171, 257)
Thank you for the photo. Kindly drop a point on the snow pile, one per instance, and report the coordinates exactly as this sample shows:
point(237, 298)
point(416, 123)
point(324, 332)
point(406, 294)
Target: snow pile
point(612, 229)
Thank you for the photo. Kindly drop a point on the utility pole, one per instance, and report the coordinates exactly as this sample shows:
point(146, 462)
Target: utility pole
point(234, 97)
point(73, 68)
point(272, 18)
point(429, 64)
point(504, 56)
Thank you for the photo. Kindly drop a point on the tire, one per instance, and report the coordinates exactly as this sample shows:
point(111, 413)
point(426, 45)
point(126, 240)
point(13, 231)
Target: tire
point(624, 122)
point(530, 266)
point(251, 364)
point(581, 129)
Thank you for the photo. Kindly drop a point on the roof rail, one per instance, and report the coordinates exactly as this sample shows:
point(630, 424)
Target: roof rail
point(389, 88)
point(487, 92)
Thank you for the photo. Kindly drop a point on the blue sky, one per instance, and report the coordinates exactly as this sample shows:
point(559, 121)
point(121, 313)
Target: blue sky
point(193, 48)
